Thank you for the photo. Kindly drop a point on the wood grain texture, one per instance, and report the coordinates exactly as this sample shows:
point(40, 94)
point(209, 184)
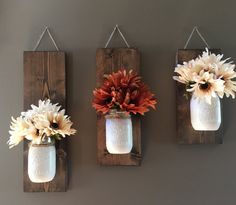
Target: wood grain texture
point(185, 132)
point(107, 61)
point(44, 78)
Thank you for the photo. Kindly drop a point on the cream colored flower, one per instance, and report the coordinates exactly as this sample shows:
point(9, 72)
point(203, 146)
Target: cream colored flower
point(20, 129)
point(59, 124)
point(187, 71)
point(226, 72)
point(43, 121)
point(208, 76)
point(34, 134)
point(210, 61)
point(206, 86)
point(40, 121)
point(42, 108)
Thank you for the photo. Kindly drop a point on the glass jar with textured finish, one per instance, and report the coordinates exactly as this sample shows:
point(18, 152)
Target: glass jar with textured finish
point(42, 161)
point(119, 133)
point(205, 116)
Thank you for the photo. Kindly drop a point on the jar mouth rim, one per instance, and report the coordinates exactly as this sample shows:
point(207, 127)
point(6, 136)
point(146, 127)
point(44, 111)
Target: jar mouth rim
point(114, 113)
point(41, 143)
point(117, 111)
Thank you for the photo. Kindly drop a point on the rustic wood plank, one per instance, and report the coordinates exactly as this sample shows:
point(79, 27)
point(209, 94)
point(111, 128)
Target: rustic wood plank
point(185, 132)
point(108, 60)
point(44, 77)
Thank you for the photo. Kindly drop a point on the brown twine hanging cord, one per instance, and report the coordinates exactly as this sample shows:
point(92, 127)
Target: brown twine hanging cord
point(195, 29)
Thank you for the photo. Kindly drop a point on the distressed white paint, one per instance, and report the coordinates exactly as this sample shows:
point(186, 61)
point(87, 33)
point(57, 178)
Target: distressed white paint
point(41, 163)
point(119, 135)
point(205, 116)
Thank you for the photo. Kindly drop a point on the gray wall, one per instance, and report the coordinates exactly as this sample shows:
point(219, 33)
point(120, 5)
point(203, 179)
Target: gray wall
point(170, 174)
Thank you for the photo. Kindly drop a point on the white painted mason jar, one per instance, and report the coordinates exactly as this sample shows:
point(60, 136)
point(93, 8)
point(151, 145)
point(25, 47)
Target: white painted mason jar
point(119, 133)
point(205, 116)
point(42, 161)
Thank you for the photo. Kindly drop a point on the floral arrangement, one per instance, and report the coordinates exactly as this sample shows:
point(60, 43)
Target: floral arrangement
point(44, 120)
point(208, 76)
point(123, 91)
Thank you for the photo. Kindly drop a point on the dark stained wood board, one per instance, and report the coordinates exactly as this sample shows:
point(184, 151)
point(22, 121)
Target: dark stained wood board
point(185, 132)
point(45, 78)
point(109, 60)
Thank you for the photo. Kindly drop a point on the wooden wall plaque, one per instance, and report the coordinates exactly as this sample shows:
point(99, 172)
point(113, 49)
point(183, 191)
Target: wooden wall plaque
point(108, 60)
point(185, 132)
point(44, 78)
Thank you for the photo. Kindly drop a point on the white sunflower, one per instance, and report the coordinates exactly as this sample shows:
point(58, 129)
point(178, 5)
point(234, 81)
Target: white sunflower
point(208, 76)
point(20, 129)
point(206, 86)
point(226, 72)
point(187, 71)
point(44, 120)
point(210, 61)
point(42, 108)
point(59, 125)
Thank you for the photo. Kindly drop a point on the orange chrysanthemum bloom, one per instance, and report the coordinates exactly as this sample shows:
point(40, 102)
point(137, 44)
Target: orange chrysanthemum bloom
point(123, 91)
